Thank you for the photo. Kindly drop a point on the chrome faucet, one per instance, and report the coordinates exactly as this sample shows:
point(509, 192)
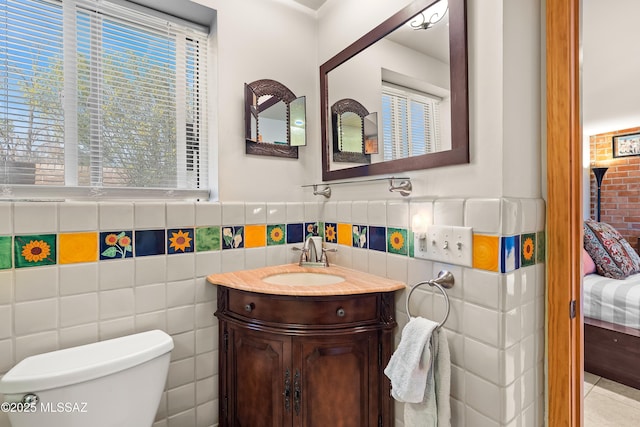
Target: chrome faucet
point(309, 254)
point(311, 250)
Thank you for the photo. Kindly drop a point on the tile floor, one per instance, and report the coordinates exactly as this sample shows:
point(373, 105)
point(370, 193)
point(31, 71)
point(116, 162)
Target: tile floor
point(609, 404)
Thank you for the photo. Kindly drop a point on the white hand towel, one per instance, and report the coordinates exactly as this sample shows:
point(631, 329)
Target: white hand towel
point(409, 365)
point(435, 409)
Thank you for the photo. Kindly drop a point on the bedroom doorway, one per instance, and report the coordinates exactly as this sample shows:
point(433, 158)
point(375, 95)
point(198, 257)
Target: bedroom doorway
point(565, 332)
point(564, 215)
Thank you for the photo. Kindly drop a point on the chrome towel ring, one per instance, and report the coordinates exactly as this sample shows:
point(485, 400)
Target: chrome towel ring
point(444, 281)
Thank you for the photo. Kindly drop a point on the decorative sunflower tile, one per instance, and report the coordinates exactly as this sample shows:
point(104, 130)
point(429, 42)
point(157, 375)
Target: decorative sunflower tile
point(331, 232)
point(378, 238)
point(509, 253)
point(5, 253)
point(528, 250)
point(180, 240)
point(397, 241)
point(233, 237)
point(295, 233)
point(150, 242)
point(77, 247)
point(35, 250)
point(208, 239)
point(359, 234)
point(276, 234)
point(116, 244)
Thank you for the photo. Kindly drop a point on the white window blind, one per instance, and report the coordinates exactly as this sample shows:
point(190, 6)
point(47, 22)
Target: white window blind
point(99, 95)
point(410, 122)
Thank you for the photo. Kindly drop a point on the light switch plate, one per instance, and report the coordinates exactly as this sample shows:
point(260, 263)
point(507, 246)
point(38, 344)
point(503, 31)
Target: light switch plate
point(448, 244)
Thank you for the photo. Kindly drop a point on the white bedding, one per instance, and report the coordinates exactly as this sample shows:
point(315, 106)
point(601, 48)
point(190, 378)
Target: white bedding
point(611, 300)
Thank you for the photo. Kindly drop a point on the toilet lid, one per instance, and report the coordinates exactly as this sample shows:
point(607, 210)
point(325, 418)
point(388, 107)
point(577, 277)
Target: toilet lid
point(78, 364)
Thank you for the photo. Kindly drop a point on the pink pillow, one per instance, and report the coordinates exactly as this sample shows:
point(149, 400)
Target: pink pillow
point(588, 266)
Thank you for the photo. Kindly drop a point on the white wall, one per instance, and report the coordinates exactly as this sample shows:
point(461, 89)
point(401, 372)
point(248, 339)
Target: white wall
point(610, 64)
point(259, 39)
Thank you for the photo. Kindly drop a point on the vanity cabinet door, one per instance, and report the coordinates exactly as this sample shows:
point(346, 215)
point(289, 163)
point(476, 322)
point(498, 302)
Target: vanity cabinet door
point(259, 378)
point(338, 380)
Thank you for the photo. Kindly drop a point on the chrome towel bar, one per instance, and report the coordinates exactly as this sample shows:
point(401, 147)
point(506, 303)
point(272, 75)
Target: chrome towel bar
point(444, 281)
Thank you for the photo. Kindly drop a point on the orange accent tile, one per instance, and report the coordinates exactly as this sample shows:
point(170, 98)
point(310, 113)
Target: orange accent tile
point(486, 252)
point(345, 234)
point(255, 236)
point(77, 247)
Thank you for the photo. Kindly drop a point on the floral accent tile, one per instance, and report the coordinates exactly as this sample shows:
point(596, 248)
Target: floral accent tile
point(331, 232)
point(313, 229)
point(528, 249)
point(486, 252)
point(77, 247)
point(378, 238)
point(255, 236)
point(5, 253)
point(397, 241)
point(150, 242)
point(116, 245)
point(510, 253)
point(295, 233)
point(207, 239)
point(180, 240)
point(276, 234)
point(359, 235)
point(344, 234)
point(233, 237)
point(541, 249)
point(34, 250)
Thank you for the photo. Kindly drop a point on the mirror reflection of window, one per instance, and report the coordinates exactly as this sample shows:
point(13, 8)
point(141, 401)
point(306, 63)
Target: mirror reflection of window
point(411, 122)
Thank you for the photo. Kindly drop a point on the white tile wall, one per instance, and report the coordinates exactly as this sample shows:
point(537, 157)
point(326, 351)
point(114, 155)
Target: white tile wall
point(495, 328)
point(6, 219)
point(496, 324)
point(255, 213)
point(78, 216)
point(116, 215)
point(181, 214)
point(48, 308)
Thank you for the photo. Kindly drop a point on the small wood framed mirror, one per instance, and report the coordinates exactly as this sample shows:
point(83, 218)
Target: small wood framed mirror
point(275, 120)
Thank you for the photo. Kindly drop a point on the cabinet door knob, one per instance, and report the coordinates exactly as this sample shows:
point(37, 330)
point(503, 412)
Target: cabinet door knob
point(249, 307)
point(340, 312)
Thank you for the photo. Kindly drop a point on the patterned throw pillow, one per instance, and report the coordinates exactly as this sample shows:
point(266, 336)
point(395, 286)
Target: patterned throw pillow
point(613, 255)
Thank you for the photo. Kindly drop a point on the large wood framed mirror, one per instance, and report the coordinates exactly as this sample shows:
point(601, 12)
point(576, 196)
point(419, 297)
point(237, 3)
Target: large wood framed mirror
point(416, 59)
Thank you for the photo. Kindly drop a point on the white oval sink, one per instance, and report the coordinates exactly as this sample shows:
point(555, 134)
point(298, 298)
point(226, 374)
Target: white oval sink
point(303, 279)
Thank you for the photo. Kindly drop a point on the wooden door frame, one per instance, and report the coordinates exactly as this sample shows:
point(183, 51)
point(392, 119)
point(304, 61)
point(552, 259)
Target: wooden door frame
point(564, 215)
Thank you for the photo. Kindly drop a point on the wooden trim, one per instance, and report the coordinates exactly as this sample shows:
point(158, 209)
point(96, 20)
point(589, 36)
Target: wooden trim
point(564, 215)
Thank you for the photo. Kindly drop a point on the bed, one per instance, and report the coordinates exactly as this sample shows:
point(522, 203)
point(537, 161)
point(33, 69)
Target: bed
point(611, 310)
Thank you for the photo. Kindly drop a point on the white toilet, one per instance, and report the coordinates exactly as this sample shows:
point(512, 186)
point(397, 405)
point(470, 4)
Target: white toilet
point(113, 383)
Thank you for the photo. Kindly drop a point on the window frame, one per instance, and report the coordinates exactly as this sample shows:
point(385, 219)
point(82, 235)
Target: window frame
point(71, 189)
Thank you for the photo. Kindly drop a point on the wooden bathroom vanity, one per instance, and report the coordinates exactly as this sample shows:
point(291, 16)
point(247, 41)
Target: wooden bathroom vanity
point(305, 355)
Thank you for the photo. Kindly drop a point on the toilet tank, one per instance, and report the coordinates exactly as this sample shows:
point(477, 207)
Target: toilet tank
point(117, 382)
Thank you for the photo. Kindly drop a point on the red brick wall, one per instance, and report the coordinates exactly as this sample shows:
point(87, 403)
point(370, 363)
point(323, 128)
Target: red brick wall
point(620, 189)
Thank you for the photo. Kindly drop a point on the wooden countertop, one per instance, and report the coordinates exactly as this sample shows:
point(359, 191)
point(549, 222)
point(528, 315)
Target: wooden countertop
point(356, 282)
